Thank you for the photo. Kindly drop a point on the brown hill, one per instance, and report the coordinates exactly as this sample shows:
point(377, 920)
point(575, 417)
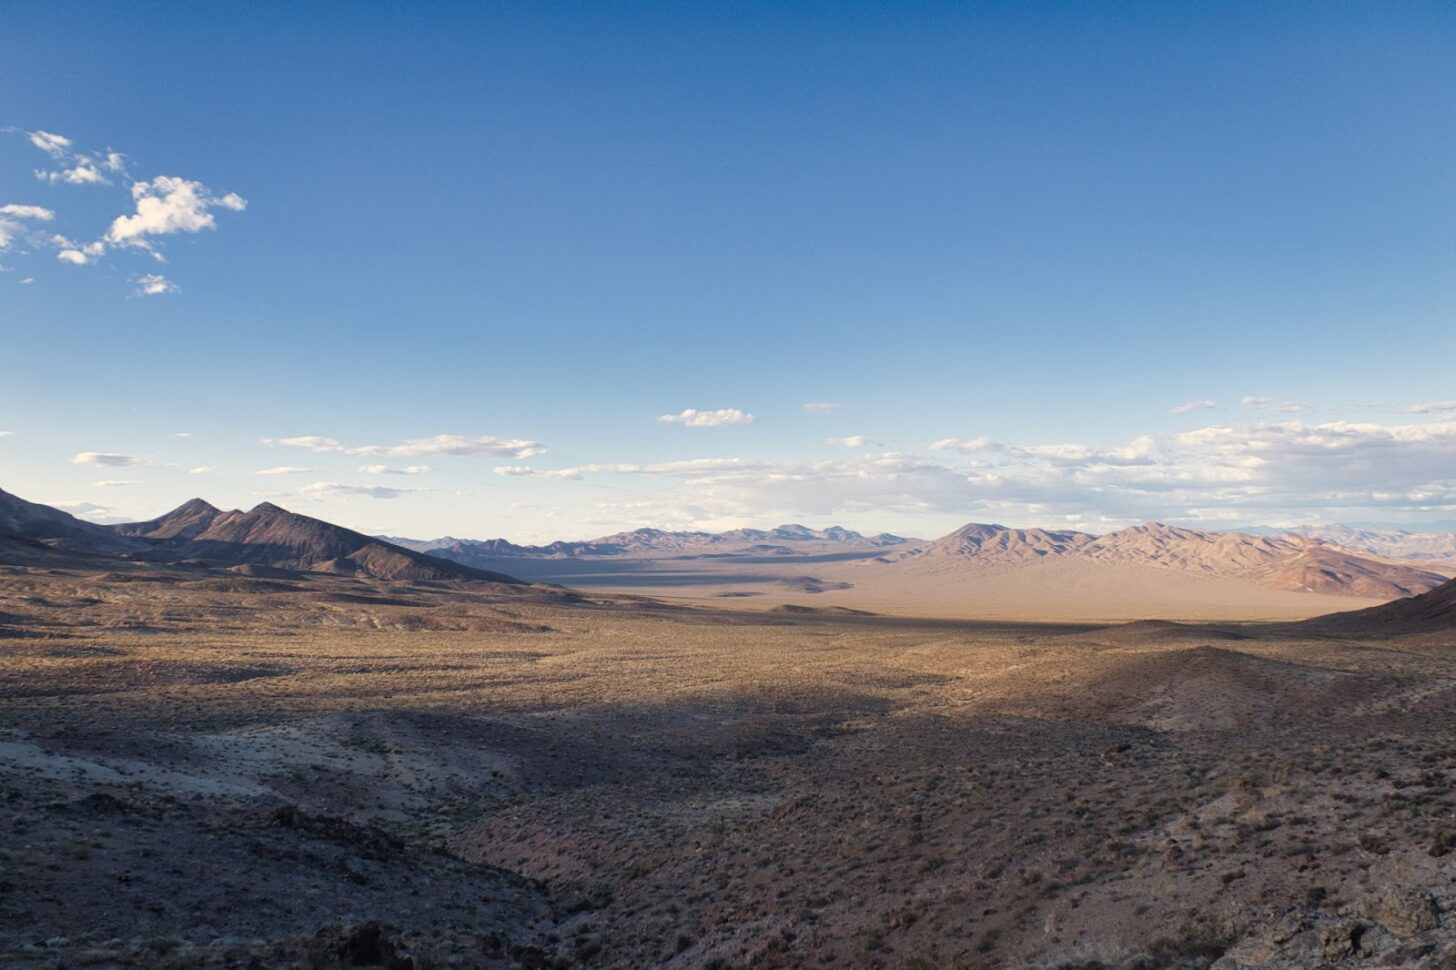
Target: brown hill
point(186, 521)
point(1431, 612)
point(1279, 562)
point(272, 536)
point(988, 546)
point(24, 522)
point(1276, 562)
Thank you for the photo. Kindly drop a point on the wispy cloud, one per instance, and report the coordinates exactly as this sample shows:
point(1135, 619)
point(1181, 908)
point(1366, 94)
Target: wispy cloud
point(693, 418)
point(52, 144)
point(110, 458)
point(1189, 406)
point(1258, 402)
point(527, 471)
point(38, 213)
point(203, 470)
point(16, 225)
point(1216, 474)
point(387, 470)
point(965, 445)
point(115, 482)
point(284, 470)
point(468, 446)
point(1434, 407)
point(321, 490)
point(90, 511)
point(154, 284)
point(848, 441)
point(823, 407)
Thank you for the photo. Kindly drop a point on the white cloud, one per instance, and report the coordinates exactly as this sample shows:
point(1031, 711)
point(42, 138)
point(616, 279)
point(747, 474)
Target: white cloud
point(466, 446)
point(84, 172)
point(848, 441)
point(180, 434)
point(13, 227)
point(104, 458)
point(6, 434)
point(569, 474)
point(79, 255)
point(1258, 402)
point(114, 483)
point(1214, 475)
point(50, 143)
point(319, 490)
point(166, 205)
point(386, 470)
point(1433, 407)
point(90, 511)
point(39, 213)
point(27, 280)
point(203, 470)
point(966, 445)
point(154, 284)
point(283, 470)
point(693, 418)
point(160, 207)
point(823, 407)
point(1190, 406)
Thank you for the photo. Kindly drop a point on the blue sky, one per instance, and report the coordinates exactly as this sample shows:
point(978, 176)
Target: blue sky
point(1008, 241)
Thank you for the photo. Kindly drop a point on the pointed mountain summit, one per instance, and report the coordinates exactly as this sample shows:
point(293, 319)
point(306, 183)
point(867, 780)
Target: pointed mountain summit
point(269, 535)
point(986, 546)
point(184, 522)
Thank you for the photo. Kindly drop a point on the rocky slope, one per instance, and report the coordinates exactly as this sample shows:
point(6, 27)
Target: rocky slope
point(1430, 612)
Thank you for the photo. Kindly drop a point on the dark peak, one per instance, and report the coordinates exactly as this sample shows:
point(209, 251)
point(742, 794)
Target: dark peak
point(267, 508)
point(195, 505)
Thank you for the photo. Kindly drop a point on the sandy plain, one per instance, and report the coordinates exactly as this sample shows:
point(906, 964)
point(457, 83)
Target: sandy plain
point(203, 769)
point(1059, 591)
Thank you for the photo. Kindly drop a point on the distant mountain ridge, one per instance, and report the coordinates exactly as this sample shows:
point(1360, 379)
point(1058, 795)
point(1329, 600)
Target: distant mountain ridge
point(1435, 547)
point(1276, 561)
point(1279, 562)
point(782, 540)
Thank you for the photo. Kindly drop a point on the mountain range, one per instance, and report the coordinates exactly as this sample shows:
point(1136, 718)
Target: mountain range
point(1278, 562)
point(270, 536)
point(1281, 562)
point(1435, 547)
point(266, 535)
point(783, 541)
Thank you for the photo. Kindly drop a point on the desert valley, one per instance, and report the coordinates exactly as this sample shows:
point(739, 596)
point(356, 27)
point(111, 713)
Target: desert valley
point(254, 739)
point(728, 486)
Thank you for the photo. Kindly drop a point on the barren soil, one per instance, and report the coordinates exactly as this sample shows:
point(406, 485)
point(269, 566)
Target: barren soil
point(206, 769)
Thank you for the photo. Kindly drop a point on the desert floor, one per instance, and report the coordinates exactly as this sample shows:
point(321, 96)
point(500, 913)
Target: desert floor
point(199, 769)
point(1064, 591)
